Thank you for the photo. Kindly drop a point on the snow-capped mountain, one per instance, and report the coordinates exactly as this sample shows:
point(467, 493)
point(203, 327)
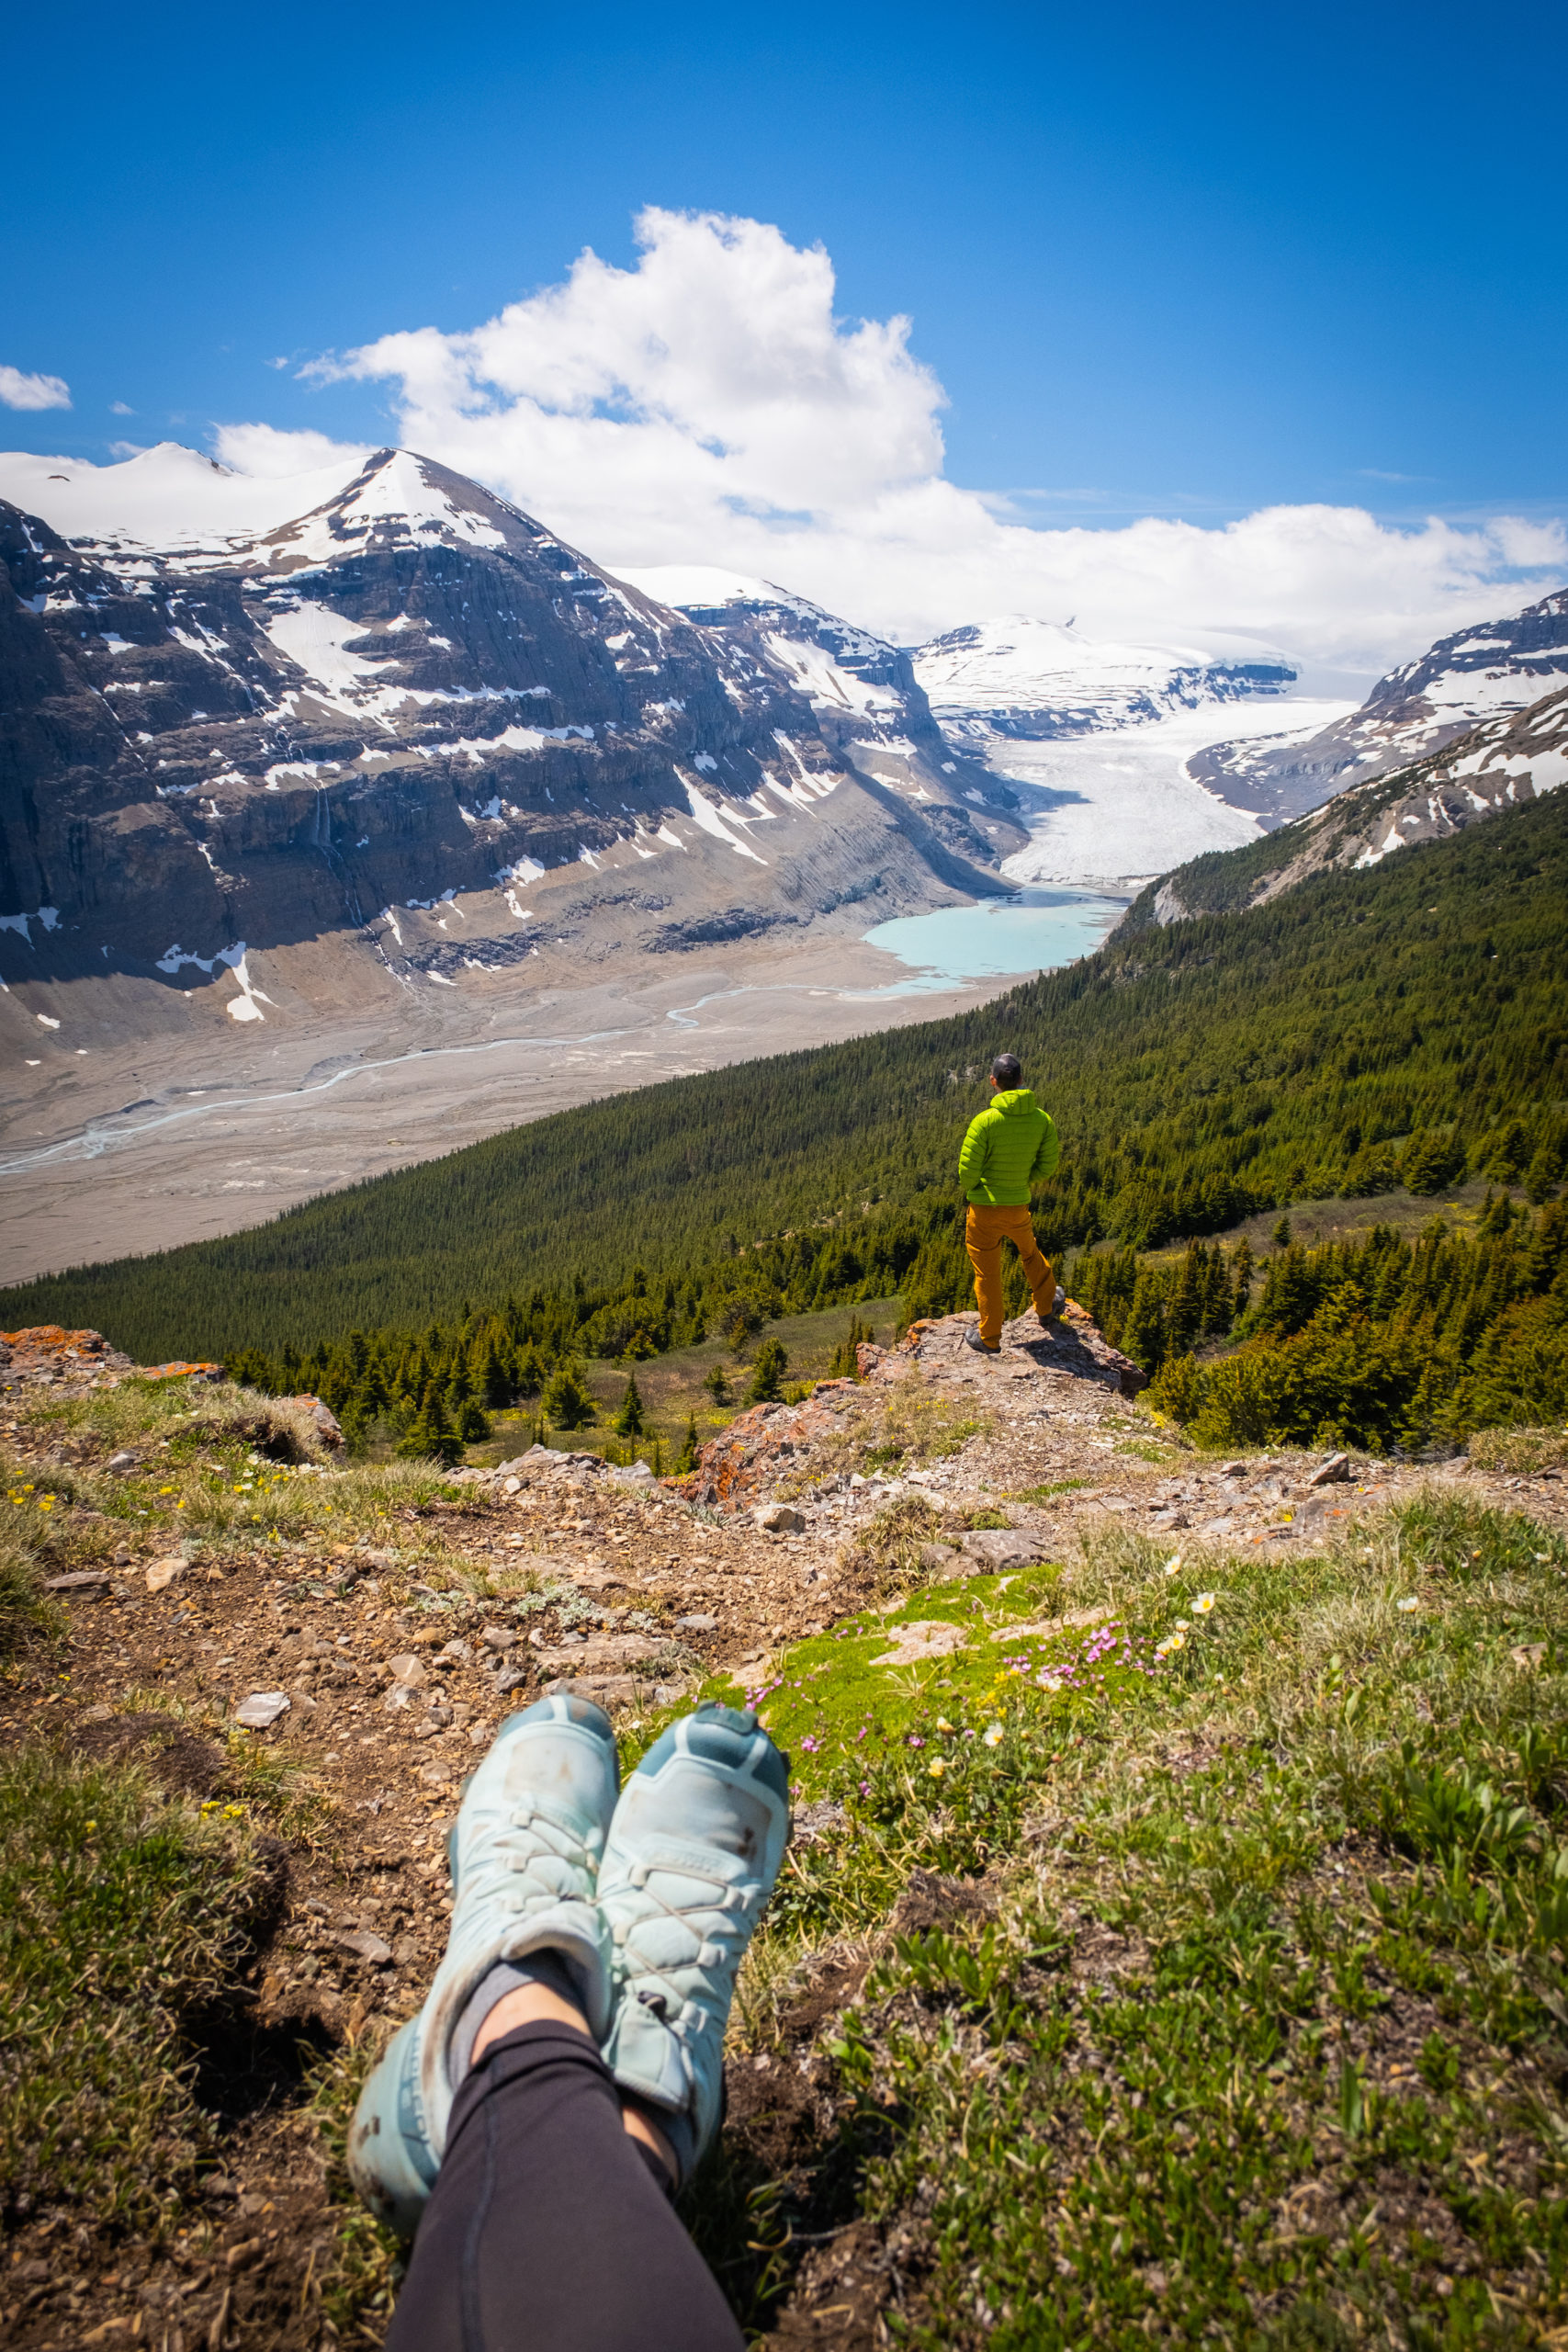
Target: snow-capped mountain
point(1504, 764)
point(863, 691)
point(1492, 670)
point(162, 500)
point(263, 726)
point(1022, 677)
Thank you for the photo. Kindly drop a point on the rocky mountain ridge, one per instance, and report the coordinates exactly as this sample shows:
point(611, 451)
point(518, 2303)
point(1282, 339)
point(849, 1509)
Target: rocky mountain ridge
point(863, 693)
point(1505, 763)
point(413, 693)
point(1487, 672)
point(1020, 677)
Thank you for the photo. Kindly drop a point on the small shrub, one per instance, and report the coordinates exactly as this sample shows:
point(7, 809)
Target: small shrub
point(1178, 1389)
point(1523, 1452)
point(767, 1376)
point(25, 1609)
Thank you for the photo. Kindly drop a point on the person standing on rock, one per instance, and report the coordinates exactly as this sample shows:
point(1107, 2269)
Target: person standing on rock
point(1010, 1146)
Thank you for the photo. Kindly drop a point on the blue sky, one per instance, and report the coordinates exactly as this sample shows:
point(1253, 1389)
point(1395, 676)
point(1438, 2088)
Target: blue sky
point(1180, 262)
point(1168, 274)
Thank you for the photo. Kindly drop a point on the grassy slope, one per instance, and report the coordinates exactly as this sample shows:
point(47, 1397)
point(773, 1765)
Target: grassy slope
point(1431, 989)
point(1255, 2031)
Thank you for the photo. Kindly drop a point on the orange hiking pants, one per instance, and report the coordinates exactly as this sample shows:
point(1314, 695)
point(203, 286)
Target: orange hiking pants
point(984, 1234)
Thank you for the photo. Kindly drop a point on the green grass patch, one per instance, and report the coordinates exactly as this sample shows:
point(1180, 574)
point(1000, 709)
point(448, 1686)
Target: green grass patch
point(835, 1704)
point(122, 1913)
point(1255, 2033)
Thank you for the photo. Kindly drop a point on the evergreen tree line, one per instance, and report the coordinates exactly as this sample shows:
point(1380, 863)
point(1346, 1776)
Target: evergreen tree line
point(434, 1391)
point(1405, 1024)
point(1375, 1342)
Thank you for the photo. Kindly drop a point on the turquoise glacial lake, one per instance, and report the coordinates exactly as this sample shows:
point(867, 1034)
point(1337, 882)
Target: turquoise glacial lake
point(1001, 938)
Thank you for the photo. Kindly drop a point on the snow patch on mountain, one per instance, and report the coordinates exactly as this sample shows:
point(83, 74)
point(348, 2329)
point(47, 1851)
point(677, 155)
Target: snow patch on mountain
point(1475, 674)
point(1024, 677)
point(167, 497)
point(863, 691)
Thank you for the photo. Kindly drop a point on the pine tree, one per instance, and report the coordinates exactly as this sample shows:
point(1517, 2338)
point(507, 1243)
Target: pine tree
point(1540, 1176)
point(1145, 1337)
point(494, 1376)
point(473, 1422)
point(717, 1384)
point(1186, 1315)
point(768, 1372)
point(688, 1460)
point(628, 1421)
point(565, 1402)
point(1241, 1270)
point(843, 1364)
point(1427, 1163)
point(431, 1436)
point(358, 1417)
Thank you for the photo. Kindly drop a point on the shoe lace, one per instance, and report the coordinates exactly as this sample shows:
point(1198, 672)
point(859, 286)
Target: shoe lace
point(532, 1856)
point(717, 1914)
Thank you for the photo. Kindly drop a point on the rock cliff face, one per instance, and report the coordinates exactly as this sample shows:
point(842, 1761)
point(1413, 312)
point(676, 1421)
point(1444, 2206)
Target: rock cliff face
point(1503, 764)
point(413, 691)
point(867, 702)
point(1477, 674)
point(1041, 681)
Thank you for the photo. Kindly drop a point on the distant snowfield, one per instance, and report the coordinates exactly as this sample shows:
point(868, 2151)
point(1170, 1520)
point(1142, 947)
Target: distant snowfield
point(1120, 807)
point(169, 496)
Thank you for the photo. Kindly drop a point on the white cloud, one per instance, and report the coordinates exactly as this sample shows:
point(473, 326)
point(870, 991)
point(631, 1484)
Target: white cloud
point(262, 451)
point(17, 390)
point(707, 406)
point(119, 408)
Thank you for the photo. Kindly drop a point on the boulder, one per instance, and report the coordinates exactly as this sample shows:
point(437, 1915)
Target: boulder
point(939, 1559)
point(1332, 1472)
point(323, 1415)
point(261, 1709)
point(779, 1519)
point(1002, 1547)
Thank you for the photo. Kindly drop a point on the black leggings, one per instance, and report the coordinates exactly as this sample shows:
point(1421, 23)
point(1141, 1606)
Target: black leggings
point(546, 2230)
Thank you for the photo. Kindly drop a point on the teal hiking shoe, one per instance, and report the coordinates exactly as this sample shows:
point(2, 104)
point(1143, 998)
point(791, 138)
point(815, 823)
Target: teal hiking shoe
point(524, 1851)
point(692, 1853)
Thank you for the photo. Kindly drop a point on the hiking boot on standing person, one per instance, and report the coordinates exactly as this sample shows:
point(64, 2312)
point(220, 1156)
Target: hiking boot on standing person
point(1011, 1146)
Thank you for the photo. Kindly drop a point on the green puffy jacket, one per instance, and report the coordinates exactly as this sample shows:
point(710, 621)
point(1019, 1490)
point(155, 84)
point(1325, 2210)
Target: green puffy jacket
point(1010, 1148)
